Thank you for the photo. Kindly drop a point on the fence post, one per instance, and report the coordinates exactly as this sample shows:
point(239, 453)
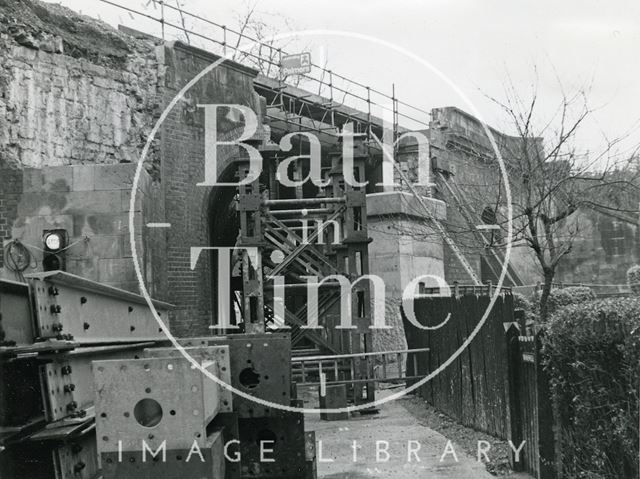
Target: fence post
point(546, 437)
point(514, 432)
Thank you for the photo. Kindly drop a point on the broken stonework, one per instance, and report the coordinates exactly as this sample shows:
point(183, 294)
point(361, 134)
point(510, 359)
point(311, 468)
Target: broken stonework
point(73, 90)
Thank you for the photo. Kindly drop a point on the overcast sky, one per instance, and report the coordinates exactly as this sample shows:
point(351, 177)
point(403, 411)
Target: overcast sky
point(474, 43)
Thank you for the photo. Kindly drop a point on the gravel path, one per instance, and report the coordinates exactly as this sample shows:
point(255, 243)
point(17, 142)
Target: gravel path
point(402, 431)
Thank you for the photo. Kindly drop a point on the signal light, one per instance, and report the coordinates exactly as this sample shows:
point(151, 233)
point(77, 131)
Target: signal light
point(55, 244)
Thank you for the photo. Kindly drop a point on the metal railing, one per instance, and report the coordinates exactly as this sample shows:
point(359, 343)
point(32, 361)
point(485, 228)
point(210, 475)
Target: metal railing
point(336, 369)
point(456, 290)
point(326, 82)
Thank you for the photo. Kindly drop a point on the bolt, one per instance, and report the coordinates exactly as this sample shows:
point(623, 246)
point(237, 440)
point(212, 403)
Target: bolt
point(86, 326)
point(65, 370)
point(69, 388)
point(79, 413)
point(56, 327)
point(72, 406)
point(55, 309)
point(53, 291)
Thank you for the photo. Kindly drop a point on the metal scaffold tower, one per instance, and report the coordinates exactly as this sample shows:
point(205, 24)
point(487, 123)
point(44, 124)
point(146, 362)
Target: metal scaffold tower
point(309, 240)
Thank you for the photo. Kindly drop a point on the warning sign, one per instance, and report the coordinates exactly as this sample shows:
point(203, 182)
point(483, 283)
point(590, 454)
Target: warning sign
point(296, 64)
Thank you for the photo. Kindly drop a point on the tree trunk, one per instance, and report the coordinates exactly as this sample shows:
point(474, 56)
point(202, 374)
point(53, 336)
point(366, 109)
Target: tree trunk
point(546, 291)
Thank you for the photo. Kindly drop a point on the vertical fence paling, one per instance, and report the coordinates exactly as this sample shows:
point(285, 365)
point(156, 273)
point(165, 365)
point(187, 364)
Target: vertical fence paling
point(515, 431)
point(531, 406)
point(526, 403)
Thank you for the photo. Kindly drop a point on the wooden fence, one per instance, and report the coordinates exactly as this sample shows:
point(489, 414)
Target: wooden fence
point(531, 409)
point(496, 384)
point(471, 389)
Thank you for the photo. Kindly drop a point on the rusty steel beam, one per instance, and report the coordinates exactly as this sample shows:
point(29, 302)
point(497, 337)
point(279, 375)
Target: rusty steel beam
point(74, 308)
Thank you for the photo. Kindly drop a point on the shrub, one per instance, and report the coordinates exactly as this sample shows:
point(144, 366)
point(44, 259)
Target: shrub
point(560, 298)
point(633, 279)
point(530, 309)
point(592, 356)
point(520, 301)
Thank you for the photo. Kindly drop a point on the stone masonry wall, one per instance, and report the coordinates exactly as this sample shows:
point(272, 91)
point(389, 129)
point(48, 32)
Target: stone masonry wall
point(60, 110)
point(604, 249)
point(75, 93)
point(72, 91)
point(92, 202)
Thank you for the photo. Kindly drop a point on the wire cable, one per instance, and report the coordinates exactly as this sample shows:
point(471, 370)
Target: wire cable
point(18, 258)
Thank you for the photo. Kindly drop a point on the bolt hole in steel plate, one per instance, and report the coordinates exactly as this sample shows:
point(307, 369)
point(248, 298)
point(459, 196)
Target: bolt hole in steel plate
point(148, 412)
point(249, 378)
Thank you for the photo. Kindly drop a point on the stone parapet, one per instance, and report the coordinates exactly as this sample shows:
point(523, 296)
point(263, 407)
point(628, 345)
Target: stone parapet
point(405, 204)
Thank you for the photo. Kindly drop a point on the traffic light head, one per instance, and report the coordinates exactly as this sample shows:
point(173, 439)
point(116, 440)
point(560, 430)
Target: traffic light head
point(55, 244)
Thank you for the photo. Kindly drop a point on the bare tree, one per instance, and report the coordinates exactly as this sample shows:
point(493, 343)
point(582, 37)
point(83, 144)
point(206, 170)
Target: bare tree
point(183, 20)
point(262, 27)
point(551, 180)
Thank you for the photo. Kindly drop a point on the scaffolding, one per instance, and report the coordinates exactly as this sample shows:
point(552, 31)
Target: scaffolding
point(340, 100)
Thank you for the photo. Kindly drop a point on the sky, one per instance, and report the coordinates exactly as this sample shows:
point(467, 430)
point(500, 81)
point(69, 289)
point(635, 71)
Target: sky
point(476, 45)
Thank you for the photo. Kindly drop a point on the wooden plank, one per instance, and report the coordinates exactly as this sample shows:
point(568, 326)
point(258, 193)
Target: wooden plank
point(441, 383)
point(502, 412)
point(479, 371)
point(514, 431)
point(454, 324)
point(489, 376)
point(453, 369)
point(467, 394)
point(473, 368)
point(444, 397)
point(427, 389)
point(497, 357)
point(528, 393)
